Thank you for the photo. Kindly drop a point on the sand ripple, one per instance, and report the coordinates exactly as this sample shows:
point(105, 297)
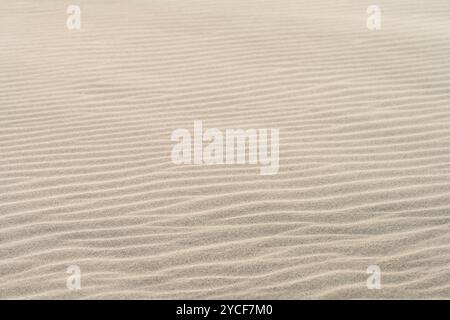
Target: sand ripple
point(86, 176)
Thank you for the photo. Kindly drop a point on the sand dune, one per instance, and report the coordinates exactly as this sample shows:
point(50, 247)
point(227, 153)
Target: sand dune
point(86, 176)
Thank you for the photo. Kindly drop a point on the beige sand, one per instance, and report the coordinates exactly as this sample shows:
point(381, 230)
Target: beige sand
point(86, 176)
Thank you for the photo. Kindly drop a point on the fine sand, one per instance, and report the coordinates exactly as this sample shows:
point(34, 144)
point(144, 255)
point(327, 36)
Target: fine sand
point(86, 176)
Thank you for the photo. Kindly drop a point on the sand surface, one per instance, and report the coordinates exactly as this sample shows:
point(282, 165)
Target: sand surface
point(86, 176)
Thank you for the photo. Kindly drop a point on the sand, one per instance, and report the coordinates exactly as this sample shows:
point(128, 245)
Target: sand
point(86, 176)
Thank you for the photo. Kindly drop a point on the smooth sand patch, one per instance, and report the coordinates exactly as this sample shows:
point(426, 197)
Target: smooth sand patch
point(85, 171)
